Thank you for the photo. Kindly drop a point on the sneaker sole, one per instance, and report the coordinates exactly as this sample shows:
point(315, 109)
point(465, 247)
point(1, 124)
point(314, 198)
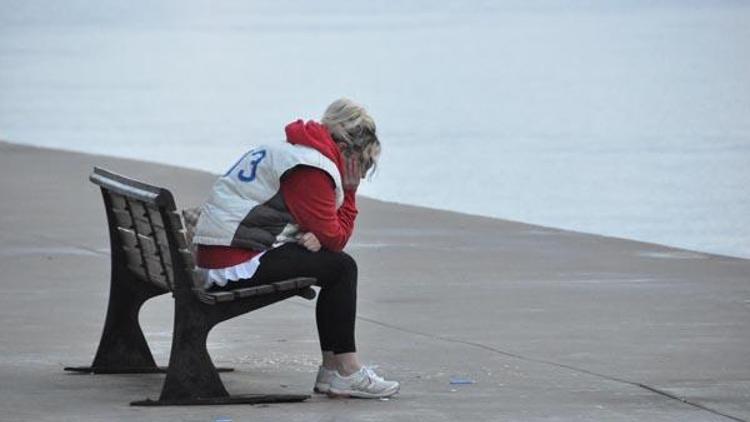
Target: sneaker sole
point(334, 393)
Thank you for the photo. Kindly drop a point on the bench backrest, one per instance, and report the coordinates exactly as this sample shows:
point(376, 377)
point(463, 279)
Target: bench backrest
point(146, 232)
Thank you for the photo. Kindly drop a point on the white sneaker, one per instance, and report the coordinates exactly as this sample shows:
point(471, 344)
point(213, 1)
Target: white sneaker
point(323, 380)
point(364, 384)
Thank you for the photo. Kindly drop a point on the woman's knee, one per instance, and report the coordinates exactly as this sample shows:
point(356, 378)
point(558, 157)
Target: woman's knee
point(349, 263)
point(347, 267)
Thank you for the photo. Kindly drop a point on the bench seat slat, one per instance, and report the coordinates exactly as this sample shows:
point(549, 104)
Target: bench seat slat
point(123, 218)
point(222, 296)
point(263, 289)
point(137, 208)
point(153, 224)
point(161, 238)
point(128, 237)
point(156, 268)
point(294, 283)
point(118, 201)
point(150, 270)
point(149, 245)
point(133, 256)
point(165, 255)
point(260, 290)
point(143, 227)
point(154, 216)
point(155, 279)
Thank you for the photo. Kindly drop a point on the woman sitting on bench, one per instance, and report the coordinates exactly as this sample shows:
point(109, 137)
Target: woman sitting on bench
point(288, 210)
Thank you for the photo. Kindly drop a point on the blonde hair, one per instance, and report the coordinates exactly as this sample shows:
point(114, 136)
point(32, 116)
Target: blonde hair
point(351, 126)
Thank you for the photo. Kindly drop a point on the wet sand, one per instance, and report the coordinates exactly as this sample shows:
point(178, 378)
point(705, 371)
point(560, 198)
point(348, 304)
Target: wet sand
point(548, 324)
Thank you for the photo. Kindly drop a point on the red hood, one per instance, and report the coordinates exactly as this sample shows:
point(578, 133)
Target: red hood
point(315, 135)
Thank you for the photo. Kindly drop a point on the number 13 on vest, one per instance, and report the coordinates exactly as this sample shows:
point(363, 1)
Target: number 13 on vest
point(248, 174)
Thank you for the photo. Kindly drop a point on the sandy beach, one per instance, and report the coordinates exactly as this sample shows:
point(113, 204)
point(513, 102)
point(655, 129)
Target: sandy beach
point(546, 324)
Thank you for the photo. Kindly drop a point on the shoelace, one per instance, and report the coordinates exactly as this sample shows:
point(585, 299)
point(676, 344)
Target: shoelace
point(372, 375)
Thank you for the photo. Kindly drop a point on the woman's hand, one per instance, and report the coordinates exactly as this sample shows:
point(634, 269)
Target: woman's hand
point(352, 172)
point(309, 241)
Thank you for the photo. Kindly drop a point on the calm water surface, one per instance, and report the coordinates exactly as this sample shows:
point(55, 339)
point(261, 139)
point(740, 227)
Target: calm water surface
point(631, 121)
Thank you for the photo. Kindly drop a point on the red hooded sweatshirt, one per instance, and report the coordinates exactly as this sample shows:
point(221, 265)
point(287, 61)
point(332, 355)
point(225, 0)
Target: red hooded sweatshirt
point(310, 196)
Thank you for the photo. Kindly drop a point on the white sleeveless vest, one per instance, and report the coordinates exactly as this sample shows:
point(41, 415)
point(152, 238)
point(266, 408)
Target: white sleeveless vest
point(246, 208)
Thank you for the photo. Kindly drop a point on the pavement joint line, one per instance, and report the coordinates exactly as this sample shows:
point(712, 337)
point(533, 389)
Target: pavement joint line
point(588, 372)
point(546, 362)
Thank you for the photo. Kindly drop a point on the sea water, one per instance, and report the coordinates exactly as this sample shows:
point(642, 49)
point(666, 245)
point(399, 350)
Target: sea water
point(629, 119)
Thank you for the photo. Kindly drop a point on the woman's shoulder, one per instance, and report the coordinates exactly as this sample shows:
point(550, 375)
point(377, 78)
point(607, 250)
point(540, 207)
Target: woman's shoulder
point(312, 177)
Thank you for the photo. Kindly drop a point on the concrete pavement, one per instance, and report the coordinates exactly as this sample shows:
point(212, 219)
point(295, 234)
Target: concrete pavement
point(548, 324)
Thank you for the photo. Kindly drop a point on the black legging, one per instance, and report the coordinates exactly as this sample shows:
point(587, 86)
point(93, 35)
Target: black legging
point(337, 276)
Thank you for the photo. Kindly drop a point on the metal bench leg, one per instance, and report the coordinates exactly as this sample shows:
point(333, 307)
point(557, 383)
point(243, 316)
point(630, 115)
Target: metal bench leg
point(192, 378)
point(123, 348)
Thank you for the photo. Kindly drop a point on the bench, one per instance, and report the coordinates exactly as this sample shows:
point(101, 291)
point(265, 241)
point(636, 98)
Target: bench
point(150, 257)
